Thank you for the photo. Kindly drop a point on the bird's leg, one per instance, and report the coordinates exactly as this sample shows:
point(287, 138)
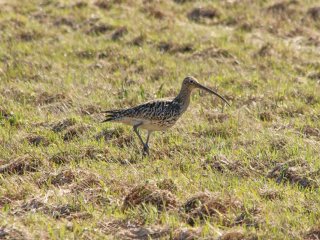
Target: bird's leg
point(135, 129)
point(148, 137)
point(146, 146)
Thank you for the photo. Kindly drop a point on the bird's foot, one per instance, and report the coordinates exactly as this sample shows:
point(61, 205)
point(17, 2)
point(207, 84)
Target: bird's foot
point(145, 150)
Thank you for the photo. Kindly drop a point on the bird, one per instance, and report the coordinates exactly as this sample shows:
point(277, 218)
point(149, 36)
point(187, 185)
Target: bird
point(158, 115)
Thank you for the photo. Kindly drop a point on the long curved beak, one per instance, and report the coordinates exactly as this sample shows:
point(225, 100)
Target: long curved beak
point(212, 92)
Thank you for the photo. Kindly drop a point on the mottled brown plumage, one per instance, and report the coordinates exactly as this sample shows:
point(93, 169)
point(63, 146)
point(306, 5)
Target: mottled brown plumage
point(157, 115)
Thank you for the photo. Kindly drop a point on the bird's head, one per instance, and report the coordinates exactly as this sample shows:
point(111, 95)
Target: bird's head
point(190, 83)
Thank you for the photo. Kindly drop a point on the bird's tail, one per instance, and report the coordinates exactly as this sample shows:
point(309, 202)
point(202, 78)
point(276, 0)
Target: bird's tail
point(112, 115)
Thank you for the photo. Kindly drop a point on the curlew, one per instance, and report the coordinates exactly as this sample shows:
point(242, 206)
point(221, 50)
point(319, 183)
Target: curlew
point(158, 115)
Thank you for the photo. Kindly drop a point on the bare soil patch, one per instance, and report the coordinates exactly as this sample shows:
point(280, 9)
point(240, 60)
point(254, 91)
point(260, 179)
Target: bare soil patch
point(89, 109)
point(92, 153)
point(61, 158)
point(80, 4)
point(217, 117)
point(108, 134)
point(60, 179)
point(37, 140)
point(125, 229)
point(313, 233)
point(154, 232)
point(207, 205)
point(16, 94)
point(119, 33)
point(21, 165)
point(310, 131)
point(150, 194)
point(266, 50)
point(66, 157)
point(7, 232)
point(249, 218)
point(104, 4)
point(314, 76)
point(291, 111)
point(77, 180)
point(167, 184)
point(5, 114)
point(222, 164)
point(124, 140)
point(47, 98)
point(182, 1)
point(67, 211)
point(219, 130)
point(220, 55)
point(187, 234)
point(270, 194)
point(278, 143)
point(56, 211)
point(63, 124)
point(285, 9)
point(314, 13)
point(295, 173)
point(28, 36)
point(10, 197)
point(155, 12)
point(237, 234)
point(203, 13)
point(266, 116)
point(91, 188)
point(83, 183)
point(99, 28)
point(55, 103)
point(75, 132)
point(86, 54)
point(139, 40)
point(172, 48)
point(66, 21)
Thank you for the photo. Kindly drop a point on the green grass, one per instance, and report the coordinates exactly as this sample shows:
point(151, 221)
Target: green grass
point(65, 60)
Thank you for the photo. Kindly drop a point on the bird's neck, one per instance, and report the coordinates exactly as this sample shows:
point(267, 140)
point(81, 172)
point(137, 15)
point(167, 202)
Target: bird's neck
point(183, 98)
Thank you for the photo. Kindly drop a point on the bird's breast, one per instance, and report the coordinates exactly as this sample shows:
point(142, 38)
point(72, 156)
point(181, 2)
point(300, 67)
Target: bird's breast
point(159, 124)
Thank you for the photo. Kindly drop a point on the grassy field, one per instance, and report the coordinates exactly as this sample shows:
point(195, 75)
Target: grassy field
point(249, 171)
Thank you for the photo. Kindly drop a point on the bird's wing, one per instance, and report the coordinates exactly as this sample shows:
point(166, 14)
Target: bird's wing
point(152, 110)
